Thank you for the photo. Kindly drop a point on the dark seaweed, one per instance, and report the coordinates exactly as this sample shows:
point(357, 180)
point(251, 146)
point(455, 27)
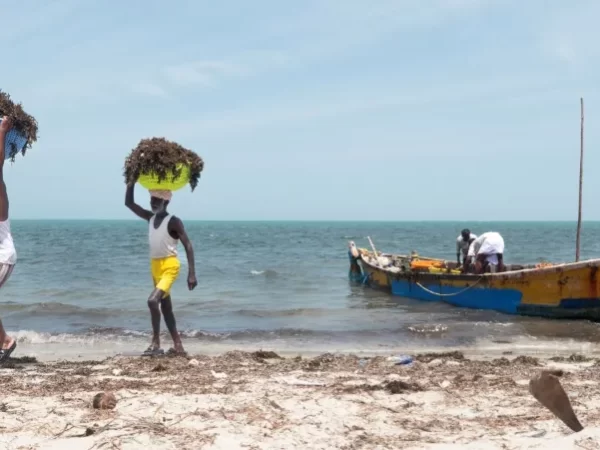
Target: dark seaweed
point(24, 123)
point(160, 157)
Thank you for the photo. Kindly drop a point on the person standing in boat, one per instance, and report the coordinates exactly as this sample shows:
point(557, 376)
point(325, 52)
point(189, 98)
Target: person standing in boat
point(487, 251)
point(463, 241)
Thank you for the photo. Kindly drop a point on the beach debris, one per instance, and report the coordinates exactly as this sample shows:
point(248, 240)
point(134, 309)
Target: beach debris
point(501, 362)
point(575, 357)
point(435, 363)
point(104, 400)
point(319, 362)
point(526, 360)
point(83, 371)
point(22, 123)
point(24, 359)
point(193, 362)
point(263, 354)
point(294, 381)
point(398, 386)
point(400, 360)
point(547, 390)
point(428, 357)
point(160, 368)
point(163, 159)
point(218, 376)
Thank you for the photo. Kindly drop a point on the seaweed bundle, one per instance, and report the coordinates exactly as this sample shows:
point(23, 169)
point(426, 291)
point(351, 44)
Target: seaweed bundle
point(23, 123)
point(163, 159)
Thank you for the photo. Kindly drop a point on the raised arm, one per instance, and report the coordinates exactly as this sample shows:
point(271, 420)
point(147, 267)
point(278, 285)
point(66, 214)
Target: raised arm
point(5, 126)
point(133, 206)
point(189, 251)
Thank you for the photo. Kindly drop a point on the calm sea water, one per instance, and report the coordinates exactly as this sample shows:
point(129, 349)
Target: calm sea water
point(269, 284)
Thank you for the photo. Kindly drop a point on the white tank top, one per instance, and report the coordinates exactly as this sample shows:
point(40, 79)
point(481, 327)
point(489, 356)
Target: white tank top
point(8, 254)
point(162, 245)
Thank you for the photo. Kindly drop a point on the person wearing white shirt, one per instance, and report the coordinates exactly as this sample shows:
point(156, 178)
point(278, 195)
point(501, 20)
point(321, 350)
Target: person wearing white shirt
point(488, 252)
point(463, 241)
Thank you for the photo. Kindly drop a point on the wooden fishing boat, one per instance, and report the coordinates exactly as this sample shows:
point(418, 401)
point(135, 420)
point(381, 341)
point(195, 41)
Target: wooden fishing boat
point(569, 291)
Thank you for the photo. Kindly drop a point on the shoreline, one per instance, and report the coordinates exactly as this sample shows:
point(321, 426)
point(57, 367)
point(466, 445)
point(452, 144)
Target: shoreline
point(261, 400)
point(101, 349)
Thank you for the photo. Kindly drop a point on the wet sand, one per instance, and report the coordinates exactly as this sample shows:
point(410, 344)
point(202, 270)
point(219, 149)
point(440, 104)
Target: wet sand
point(242, 400)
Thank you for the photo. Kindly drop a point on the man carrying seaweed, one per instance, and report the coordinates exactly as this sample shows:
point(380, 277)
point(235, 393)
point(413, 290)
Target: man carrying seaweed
point(8, 254)
point(165, 231)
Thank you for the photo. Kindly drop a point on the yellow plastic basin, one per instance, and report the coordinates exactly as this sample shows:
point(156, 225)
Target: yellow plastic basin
point(150, 181)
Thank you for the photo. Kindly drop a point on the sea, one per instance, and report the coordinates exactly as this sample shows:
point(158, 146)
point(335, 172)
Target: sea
point(80, 289)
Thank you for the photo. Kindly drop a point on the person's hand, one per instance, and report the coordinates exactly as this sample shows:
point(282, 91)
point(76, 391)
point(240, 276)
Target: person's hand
point(5, 125)
point(192, 282)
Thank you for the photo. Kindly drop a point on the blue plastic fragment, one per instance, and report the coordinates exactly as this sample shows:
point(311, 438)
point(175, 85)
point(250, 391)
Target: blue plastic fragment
point(400, 360)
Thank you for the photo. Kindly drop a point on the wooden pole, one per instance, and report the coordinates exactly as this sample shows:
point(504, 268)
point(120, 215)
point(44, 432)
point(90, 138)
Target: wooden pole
point(580, 189)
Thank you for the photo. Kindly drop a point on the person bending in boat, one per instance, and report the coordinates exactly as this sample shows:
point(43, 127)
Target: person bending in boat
point(8, 254)
point(487, 251)
point(165, 231)
point(463, 241)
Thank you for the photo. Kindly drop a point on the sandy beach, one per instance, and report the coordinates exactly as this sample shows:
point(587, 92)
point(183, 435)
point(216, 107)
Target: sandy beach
point(261, 401)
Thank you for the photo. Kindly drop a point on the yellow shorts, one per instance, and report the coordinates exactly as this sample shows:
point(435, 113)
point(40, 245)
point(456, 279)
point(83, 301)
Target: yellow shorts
point(164, 272)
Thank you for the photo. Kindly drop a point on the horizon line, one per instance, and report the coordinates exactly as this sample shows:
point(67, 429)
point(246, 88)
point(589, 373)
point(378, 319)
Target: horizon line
point(316, 220)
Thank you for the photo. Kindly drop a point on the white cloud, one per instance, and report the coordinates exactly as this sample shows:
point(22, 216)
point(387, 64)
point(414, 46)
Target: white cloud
point(205, 73)
point(150, 89)
point(28, 17)
point(337, 103)
point(210, 72)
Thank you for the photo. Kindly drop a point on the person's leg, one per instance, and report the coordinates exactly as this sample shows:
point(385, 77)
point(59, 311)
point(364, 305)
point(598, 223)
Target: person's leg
point(501, 266)
point(479, 260)
point(8, 344)
point(166, 306)
point(170, 272)
point(5, 339)
point(153, 305)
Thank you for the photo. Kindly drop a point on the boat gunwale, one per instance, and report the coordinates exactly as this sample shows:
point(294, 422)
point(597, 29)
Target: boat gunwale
point(513, 274)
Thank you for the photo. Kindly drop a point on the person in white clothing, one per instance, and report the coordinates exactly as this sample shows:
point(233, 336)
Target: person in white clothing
point(487, 251)
point(164, 233)
point(8, 254)
point(463, 241)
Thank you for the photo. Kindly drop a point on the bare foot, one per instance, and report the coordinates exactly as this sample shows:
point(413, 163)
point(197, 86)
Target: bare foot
point(8, 342)
point(178, 347)
point(177, 350)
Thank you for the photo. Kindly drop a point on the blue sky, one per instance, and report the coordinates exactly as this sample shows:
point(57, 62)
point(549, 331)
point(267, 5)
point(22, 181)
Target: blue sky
point(319, 109)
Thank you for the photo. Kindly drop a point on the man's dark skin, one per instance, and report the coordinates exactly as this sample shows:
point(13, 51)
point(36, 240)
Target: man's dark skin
point(158, 297)
point(466, 235)
point(482, 266)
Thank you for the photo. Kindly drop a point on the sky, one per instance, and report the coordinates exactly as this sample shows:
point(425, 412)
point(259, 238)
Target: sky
point(310, 110)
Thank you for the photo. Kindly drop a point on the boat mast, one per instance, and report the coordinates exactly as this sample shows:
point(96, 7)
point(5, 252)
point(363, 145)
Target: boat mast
point(580, 188)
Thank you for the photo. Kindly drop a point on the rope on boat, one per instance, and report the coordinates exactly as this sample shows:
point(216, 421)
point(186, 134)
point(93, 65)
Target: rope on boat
point(448, 295)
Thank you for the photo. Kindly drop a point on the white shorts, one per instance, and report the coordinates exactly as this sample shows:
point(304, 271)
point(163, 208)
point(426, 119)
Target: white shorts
point(5, 272)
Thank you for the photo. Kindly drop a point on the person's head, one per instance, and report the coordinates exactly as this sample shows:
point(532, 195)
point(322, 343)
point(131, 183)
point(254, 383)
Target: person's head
point(466, 234)
point(159, 200)
point(158, 205)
